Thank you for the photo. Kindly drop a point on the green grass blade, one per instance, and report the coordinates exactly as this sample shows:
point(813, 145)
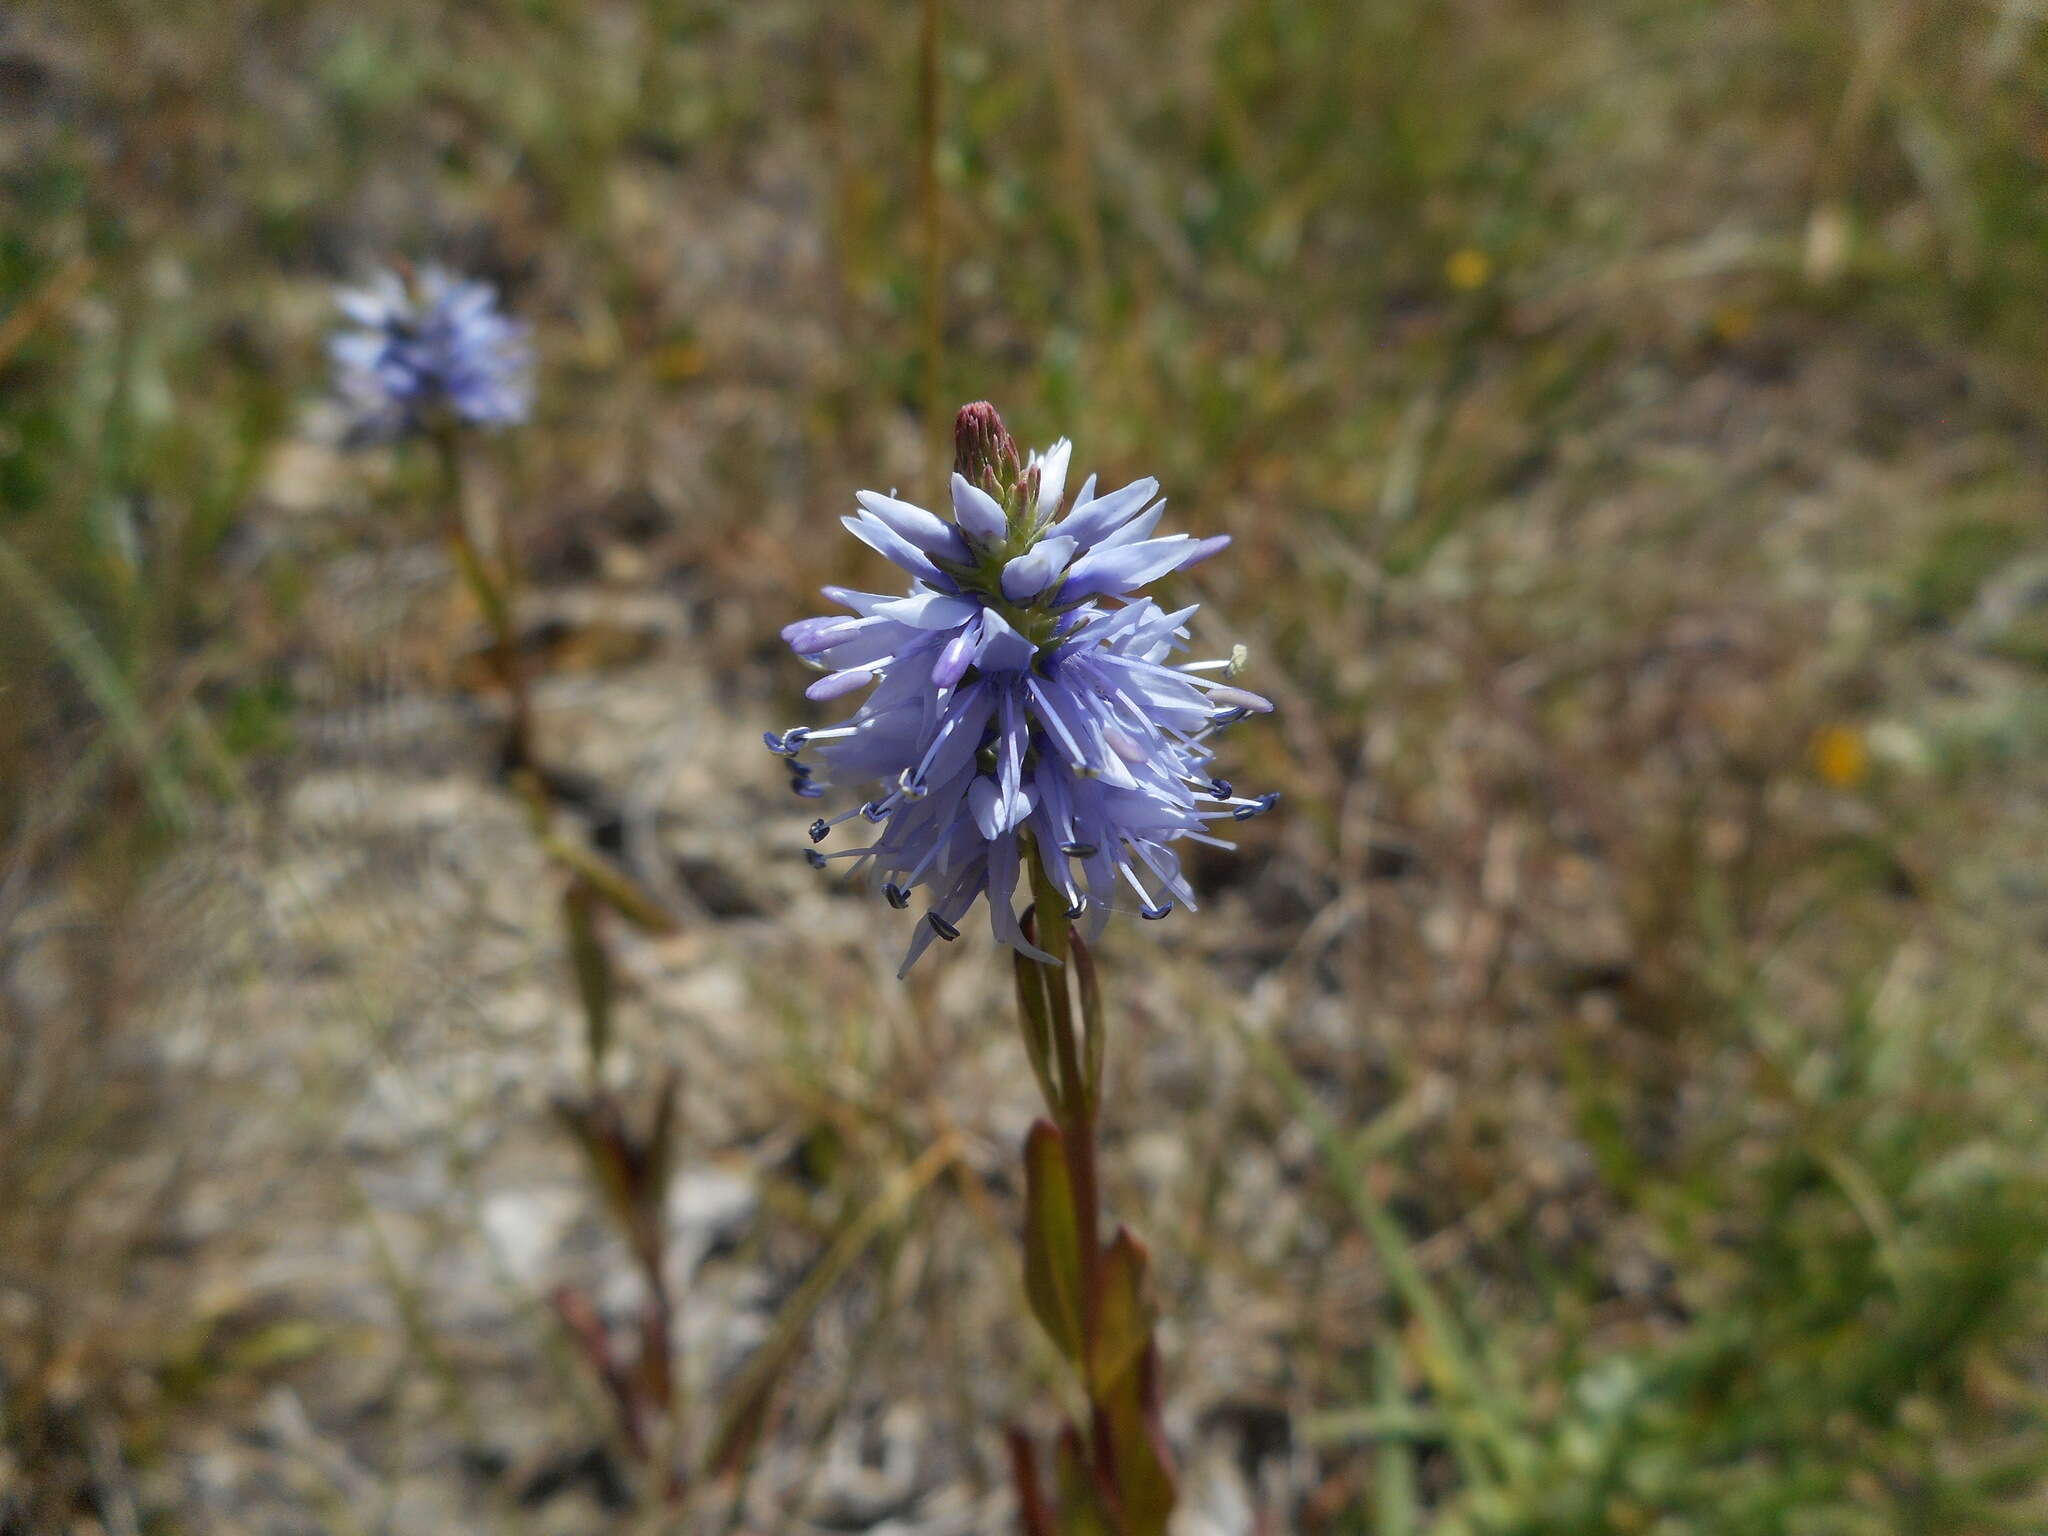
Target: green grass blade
point(100, 678)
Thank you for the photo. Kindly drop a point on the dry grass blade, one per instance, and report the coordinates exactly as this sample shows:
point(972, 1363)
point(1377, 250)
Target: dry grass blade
point(747, 1400)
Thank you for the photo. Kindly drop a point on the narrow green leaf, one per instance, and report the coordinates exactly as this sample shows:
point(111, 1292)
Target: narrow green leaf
point(1034, 1019)
point(592, 967)
point(1144, 1466)
point(611, 885)
point(1353, 1426)
point(1393, 1477)
point(1123, 1372)
point(661, 1140)
point(1123, 1320)
point(1052, 1239)
point(1483, 1436)
point(1082, 1510)
point(100, 677)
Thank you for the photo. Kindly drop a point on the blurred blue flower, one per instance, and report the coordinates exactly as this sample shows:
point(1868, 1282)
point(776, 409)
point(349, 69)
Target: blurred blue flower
point(1022, 685)
point(437, 345)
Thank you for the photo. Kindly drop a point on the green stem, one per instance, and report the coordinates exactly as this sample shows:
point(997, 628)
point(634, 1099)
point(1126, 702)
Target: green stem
point(492, 595)
point(641, 1168)
point(1073, 1107)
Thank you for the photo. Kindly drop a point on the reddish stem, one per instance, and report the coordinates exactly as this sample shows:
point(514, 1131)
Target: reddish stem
point(587, 1329)
point(1033, 1518)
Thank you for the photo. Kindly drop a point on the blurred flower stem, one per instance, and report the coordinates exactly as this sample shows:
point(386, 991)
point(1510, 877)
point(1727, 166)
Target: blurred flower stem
point(1091, 1299)
point(629, 1155)
point(491, 591)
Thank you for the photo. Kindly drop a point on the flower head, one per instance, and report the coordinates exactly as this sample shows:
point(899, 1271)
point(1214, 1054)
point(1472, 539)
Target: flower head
point(434, 345)
point(1022, 687)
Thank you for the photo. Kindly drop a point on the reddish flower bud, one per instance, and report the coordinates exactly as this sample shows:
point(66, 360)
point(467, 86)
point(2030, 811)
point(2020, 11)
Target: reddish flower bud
point(983, 450)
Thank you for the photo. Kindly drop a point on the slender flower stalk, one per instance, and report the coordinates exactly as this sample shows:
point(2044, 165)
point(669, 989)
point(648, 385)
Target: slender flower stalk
point(429, 361)
point(1027, 719)
point(491, 588)
point(431, 358)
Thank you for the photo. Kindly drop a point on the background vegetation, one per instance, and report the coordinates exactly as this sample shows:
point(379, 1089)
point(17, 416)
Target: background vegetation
point(1607, 1097)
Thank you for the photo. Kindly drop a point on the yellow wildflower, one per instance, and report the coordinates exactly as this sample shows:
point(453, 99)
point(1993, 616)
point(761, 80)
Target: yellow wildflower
point(1840, 756)
point(1467, 269)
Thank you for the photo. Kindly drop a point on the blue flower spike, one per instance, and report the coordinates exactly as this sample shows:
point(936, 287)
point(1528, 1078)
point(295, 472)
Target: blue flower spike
point(1023, 685)
point(429, 347)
